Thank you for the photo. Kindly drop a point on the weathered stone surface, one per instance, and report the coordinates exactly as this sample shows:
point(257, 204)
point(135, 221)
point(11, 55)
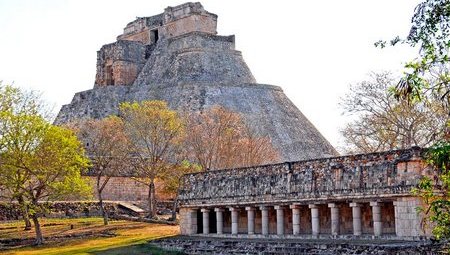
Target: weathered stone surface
point(74, 209)
point(119, 63)
point(11, 211)
point(364, 176)
point(360, 186)
point(216, 246)
point(192, 68)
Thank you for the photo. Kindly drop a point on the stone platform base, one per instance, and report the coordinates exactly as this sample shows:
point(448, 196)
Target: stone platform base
point(221, 246)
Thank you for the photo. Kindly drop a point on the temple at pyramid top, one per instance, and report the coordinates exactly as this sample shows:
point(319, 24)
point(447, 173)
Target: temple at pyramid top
point(120, 63)
point(175, 21)
point(177, 56)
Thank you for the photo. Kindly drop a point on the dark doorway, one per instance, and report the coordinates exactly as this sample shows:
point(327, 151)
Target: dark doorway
point(199, 222)
point(212, 222)
point(154, 35)
point(109, 78)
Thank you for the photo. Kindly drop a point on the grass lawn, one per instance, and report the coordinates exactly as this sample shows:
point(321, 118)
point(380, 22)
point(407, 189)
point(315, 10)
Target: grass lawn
point(88, 236)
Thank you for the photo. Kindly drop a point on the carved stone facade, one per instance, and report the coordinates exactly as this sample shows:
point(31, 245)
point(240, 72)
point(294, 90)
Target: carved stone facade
point(367, 194)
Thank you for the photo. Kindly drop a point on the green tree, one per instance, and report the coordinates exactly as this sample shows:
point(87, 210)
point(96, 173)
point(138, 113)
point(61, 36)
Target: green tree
point(107, 147)
point(155, 133)
point(40, 162)
point(427, 75)
point(16, 101)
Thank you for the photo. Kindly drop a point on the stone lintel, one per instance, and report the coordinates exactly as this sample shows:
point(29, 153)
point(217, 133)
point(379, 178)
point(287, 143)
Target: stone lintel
point(294, 206)
point(355, 204)
point(375, 203)
point(219, 209)
point(250, 208)
point(204, 210)
point(333, 205)
point(234, 209)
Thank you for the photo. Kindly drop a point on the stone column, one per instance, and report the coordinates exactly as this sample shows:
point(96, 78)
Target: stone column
point(356, 213)
point(192, 221)
point(376, 216)
point(397, 213)
point(205, 214)
point(251, 220)
point(234, 220)
point(315, 219)
point(295, 219)
point(334, 218)
point(264, 220)
point(280, 219)
point(219, 218)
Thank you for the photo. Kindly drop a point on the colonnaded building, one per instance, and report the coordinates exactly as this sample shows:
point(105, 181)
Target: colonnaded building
point(177, 56)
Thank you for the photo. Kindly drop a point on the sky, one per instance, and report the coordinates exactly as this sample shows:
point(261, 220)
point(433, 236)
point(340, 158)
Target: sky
point(313, 50)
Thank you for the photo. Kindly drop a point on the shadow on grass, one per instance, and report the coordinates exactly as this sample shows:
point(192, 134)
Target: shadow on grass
point(137, 249)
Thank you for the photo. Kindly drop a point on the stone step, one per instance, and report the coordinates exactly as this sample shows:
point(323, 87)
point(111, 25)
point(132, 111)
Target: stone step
point(132, 208)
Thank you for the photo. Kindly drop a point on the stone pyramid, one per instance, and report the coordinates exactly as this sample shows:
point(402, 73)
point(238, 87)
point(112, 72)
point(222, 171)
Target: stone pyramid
point(178, 57)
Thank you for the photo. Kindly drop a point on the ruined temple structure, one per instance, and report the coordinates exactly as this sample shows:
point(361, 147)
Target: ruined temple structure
point(177, 56)
point(367, 195)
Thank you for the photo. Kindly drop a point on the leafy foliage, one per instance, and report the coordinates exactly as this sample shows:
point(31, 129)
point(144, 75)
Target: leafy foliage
point(429, 32)
point(38, 161)
point(436, 191)
point(155, 134)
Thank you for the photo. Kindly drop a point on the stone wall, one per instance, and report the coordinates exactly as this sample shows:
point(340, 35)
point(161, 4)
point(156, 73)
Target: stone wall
point(139, 29)
point(128, 189)
point(119, 63)
point(408, 219)
point(75, 209)
point(123, 189)
point(11, 211)
point(238, 245)
point(195, 57)
point(366, 176)
point(188, 18)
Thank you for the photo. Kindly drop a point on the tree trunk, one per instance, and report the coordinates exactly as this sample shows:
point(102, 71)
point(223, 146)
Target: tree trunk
point(37, 229)
point(151, 199)
point(102, 209)
point(24, 211)
point(100, 200)
point(174, 207)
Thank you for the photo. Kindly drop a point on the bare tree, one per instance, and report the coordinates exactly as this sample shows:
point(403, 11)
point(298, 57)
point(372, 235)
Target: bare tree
point(384, 123)
point(219, 138)
point(107, 147)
